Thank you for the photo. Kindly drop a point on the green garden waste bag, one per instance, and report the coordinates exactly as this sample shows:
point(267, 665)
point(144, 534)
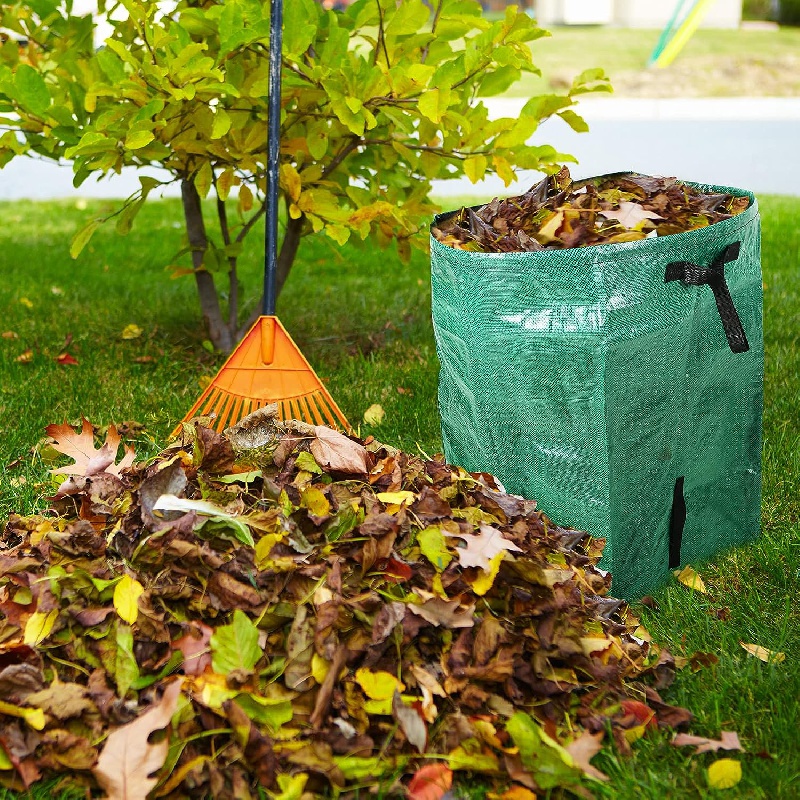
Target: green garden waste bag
point(619, 385)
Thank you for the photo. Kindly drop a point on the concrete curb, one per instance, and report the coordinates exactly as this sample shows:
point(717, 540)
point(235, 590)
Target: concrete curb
point(713, 109)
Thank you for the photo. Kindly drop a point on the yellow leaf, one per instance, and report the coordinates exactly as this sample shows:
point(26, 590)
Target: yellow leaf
point(374, 414)
point(315, 501)
point(39, 626)
point(5, 763)
point(291, 787)
point(635, 733)
point(290, 180)
point(126, 597)
point(724, 773)
point(504, 169)
point(33, 716)
point(397, 498)
point(245, 198)
point(475, 167)
point(485, 580)
point(25, 302)
point(131, 331)
point(203, 179)
point(688, 577)
point(769, 656)
point(319, 668)
point(224, 183)
point(378, 685)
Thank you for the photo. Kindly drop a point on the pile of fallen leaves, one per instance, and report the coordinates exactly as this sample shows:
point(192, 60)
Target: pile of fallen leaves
point(288, 607)
point(558, 213)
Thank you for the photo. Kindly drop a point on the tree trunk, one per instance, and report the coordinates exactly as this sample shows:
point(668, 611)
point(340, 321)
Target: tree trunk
point(286, 256)
point(220, 334)
point(291, 241)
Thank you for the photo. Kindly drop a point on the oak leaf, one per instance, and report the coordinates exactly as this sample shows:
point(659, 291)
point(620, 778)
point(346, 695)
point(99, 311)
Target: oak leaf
point(483, 547)
point(729, 740)
point(447, 613)
point(629, 215)
point(128, 759)
point(89, 460)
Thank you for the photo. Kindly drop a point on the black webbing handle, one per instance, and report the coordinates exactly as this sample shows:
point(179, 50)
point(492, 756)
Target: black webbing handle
point(714, 276)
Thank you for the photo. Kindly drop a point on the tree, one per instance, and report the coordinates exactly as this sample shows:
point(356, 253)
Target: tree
point(376, 101)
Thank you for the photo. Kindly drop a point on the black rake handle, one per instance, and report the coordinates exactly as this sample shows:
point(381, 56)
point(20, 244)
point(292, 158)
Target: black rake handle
point(273, 157)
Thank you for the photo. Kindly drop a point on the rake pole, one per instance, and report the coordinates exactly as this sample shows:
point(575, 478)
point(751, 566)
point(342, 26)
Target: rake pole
point(273, 157)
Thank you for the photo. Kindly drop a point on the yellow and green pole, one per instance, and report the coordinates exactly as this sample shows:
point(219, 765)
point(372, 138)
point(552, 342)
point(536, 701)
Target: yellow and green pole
point(674, 37)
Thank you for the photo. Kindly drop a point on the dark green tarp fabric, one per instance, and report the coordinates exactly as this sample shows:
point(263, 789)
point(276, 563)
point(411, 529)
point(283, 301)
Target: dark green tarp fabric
point(589, 380)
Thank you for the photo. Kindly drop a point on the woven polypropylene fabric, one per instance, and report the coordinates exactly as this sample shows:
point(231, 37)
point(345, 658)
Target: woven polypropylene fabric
point(584, 380)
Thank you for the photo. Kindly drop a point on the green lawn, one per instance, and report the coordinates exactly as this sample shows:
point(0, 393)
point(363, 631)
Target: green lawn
point(724, 63)
point(363, 320)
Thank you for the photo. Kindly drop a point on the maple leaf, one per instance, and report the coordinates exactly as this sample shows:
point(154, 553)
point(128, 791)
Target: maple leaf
point(483, 547)
point(629, 215)
point(89, 460)
point(128, 759)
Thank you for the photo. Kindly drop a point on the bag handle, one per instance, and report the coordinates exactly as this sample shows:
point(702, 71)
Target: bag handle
point(714, 276)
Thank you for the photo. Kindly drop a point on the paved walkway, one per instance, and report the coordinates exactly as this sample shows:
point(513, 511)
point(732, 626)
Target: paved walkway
point(746, 142)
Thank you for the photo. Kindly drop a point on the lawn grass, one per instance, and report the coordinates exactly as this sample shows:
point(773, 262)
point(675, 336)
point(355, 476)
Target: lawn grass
point(714, 63)
point(363, 320)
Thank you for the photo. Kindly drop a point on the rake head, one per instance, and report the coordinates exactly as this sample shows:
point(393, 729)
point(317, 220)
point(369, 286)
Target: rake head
point(267, 367)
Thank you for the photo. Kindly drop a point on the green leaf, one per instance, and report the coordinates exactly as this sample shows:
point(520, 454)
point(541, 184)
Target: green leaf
point(300, 19)
point(138, 139)
point(221, 125)
point(432, 543)
point(31, 89)
point(308, 463)
point(547, 761)
point(345, 520)
point(126, 668)
point(235, 646)
point(265, 710)
point(575, 121)
point(82, 237)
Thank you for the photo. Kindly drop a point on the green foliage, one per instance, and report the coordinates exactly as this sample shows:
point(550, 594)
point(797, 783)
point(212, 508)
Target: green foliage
point(376, 103)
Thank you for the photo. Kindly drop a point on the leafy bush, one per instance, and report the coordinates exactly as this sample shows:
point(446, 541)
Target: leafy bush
point(377, 101)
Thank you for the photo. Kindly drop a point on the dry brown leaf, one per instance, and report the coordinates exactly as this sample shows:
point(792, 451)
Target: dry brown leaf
point(333, 450)
point(447, 613)
point(482, 547)
point(729, 740)
point(769, 656)
point(411, 723)
point(89, 460)
point(128, 759)
point(583, 750)
point(629, 215)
